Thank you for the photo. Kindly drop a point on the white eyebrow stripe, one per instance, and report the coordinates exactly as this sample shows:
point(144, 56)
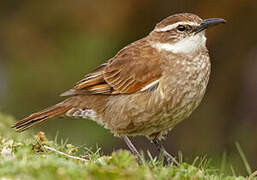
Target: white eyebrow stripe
point(172, 26)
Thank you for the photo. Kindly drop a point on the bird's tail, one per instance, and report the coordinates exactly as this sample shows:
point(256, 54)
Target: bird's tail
point(41, 116)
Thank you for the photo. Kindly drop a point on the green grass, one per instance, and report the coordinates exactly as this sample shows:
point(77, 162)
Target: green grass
point(27, 157)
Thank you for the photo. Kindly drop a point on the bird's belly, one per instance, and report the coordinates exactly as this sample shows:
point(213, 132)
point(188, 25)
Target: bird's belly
point(172, 113)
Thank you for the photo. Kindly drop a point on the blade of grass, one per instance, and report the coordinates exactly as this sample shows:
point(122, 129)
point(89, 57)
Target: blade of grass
point(233, 171)
point(242, 155)
point(180, 157)
point(223, 162)
point(56, 137)
point(195, 160)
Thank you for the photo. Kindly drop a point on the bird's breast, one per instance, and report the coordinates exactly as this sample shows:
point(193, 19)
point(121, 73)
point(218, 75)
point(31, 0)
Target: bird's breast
point(185, 75)
point(182, 87)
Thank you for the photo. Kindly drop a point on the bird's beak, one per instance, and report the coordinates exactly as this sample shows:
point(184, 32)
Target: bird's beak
point(206, 23)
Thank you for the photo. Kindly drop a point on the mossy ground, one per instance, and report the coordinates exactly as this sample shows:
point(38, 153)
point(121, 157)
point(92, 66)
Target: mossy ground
point(26, 157)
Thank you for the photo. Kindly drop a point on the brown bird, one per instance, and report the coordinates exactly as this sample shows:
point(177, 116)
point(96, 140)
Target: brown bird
point(147, 88)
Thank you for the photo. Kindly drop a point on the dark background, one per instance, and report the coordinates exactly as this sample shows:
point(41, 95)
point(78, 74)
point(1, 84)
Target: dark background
point(46, 46)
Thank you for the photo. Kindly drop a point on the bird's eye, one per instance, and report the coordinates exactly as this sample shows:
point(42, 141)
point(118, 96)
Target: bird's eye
point(181, 28)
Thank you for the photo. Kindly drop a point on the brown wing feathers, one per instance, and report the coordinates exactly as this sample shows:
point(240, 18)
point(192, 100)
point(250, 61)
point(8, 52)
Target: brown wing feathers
point(92, 83)
point(128, 72)
point(96, 77)
point(132, 69)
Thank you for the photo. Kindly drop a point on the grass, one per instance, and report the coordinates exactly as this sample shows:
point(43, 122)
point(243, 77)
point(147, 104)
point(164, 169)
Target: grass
point(28, 157)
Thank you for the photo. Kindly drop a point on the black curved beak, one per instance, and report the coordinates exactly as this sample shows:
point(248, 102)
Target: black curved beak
point(206, 23)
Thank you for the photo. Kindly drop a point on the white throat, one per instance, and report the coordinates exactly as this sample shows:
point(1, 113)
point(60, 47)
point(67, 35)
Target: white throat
point(187, 45)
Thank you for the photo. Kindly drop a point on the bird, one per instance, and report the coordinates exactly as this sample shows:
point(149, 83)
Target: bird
point(147, 88)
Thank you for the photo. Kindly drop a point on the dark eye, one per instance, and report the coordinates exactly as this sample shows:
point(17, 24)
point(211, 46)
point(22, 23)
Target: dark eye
point(181, 28)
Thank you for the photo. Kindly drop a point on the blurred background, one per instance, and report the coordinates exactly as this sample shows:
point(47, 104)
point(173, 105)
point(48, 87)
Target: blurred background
point(47, 46)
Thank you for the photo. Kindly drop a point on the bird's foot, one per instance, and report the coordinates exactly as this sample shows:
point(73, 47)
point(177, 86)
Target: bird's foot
point(169, 160)
point(133, 149)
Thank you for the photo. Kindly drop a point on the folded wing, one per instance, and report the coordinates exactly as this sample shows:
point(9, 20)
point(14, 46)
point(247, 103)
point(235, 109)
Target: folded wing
point(135, 68)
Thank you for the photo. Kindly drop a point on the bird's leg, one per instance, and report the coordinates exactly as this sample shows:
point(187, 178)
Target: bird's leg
point(161, 150)
point(131, 147)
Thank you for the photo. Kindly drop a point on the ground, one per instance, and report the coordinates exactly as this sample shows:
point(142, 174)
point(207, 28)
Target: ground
point(32, 157)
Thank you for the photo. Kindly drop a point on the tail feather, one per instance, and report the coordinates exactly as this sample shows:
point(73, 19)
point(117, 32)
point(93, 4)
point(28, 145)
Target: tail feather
point(40, 117)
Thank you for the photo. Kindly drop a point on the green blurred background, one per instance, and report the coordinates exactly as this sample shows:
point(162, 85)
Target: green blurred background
point(46, 46)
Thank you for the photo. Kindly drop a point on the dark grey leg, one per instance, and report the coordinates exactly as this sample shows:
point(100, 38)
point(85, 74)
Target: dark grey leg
point(161, 150)
point(131, 146)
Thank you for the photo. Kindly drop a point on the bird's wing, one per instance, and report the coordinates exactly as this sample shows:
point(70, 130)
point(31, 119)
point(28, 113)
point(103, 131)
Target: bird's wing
point(135, 68)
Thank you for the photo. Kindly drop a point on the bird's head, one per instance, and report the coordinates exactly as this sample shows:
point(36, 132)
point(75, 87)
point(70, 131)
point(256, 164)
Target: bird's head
point(182, 33)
